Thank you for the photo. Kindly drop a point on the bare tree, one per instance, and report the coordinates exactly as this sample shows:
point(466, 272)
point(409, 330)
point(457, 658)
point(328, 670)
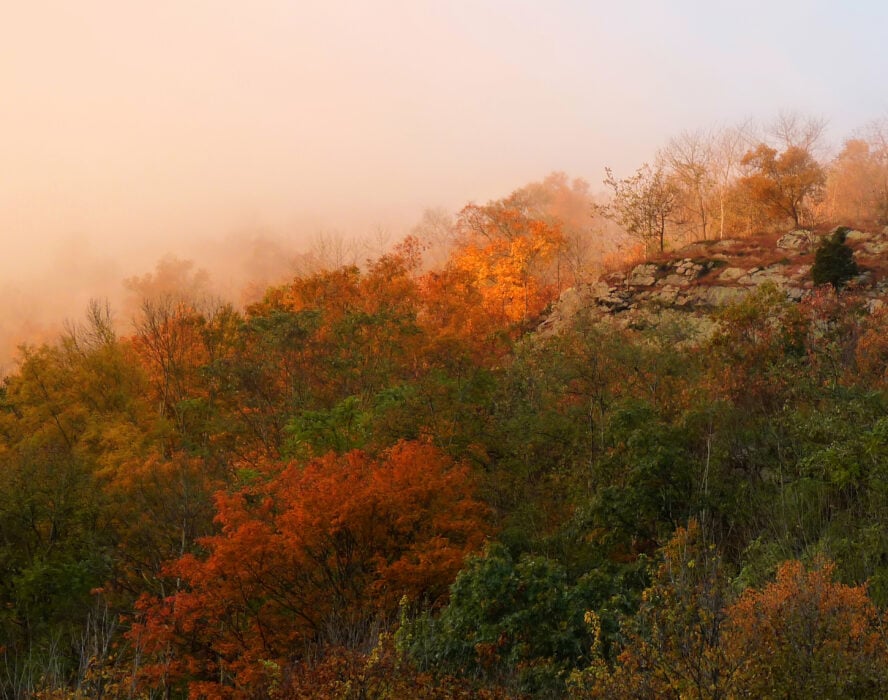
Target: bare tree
point(378, 243)
point(330, 250)
point(436, 232)
point(96, 331)
point(689, 157)
point(790, 129)
point(728, 146)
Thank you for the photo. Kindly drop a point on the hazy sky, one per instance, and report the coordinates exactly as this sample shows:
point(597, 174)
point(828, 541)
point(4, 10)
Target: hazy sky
point(135, 126)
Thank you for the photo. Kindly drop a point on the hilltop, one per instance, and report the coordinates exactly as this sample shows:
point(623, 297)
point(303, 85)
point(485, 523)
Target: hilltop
point(690, 283)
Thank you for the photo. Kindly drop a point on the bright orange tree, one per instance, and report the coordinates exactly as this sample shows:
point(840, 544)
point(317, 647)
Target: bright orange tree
point(508, 253)
point(313, 555)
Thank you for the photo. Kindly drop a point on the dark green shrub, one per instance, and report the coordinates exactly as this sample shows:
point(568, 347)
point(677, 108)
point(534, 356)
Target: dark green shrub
point(834, 260)
point(513, 621)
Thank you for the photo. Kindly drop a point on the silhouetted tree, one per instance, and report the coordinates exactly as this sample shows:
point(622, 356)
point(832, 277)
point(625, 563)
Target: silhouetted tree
point(834, 261)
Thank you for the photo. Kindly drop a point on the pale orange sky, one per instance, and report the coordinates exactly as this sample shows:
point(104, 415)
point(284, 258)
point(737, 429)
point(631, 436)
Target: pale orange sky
point(133, 128)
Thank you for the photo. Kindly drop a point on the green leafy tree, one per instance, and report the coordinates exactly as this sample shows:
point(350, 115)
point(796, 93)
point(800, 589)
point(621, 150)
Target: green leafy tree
point(517, 621)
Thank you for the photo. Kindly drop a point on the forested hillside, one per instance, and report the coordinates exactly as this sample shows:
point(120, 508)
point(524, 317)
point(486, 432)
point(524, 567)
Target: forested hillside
point(426, 476)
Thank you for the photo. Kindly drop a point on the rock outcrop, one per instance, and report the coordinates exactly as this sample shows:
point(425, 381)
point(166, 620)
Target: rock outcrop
point(705, 276)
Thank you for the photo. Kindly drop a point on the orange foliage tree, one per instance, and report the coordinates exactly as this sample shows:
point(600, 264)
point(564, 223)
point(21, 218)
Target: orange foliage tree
point(508, 254)
point(314, 555)
point(810, 636)
point(856, 184)
point(783, 184)
point(459, 328)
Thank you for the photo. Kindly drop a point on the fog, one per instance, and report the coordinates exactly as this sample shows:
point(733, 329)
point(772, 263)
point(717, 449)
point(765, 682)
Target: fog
point(235, 134)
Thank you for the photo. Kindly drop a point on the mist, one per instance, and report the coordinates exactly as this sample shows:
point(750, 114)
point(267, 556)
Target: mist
point(236, 136)
point(39, 301)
